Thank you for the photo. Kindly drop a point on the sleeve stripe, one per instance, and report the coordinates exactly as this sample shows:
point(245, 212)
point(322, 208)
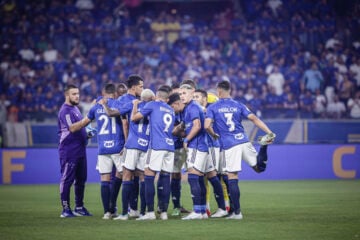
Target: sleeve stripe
point(68, 119)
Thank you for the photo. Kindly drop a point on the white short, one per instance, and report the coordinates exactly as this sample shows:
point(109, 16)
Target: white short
point(179, 160)
point(197, 159)
point(214, 160)
point(106, 162)
point(233, 157)
point(160, 160)
point(134, 159)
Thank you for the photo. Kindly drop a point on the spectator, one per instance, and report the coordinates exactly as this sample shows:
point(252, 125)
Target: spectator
point(290, 106)
point(276, 81)
point(186, 27)
point(345, 88)
point(336, 109)
point(306, 103)
point(355, 71)
point(320, 104)
point(4, 104)
point(312, 79)
point(49, 106)
point(354, 105)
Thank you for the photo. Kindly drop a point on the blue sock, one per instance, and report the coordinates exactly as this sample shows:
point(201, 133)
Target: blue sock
point(135, 194)
point(115, 188)
point(234, 192)
point(226, 181)
point(165, 196)
point(203, 194)
point(262, 158)
point(142, 198)
point(176, 192)
point(125, 196)
point(149, 192)
point(218, 192)
point(195, 191)
point(105, 195)
point(159, 192)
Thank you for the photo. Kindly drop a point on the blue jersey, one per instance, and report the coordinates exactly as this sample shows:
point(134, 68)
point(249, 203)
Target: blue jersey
point(122, 101)
point(138, 131)
point(227, 115)
point(211, 141)
point(162, 118)
point(110, 135)
point(191, 112)
point(178, 140)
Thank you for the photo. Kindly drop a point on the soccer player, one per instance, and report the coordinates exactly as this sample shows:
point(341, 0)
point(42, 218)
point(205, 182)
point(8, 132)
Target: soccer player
point(223, 121)
point(160, 155)
point(72, 152)
point(135, 85)
point(180, 155)
point(213, 164)
point(121, 89)
point(135, 154)
point(110, 143)
point(197, 151)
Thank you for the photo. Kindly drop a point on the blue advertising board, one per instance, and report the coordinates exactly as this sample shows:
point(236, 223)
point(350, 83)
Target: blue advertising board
point(286, 162)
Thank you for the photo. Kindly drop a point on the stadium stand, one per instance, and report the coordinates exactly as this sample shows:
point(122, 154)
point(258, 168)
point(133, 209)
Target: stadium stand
point(285, 59)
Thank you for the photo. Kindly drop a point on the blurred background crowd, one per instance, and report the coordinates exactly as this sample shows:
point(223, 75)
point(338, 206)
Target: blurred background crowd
point(284, 59)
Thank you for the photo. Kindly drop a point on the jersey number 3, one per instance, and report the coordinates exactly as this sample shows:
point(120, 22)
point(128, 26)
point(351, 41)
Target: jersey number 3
point(229, 121)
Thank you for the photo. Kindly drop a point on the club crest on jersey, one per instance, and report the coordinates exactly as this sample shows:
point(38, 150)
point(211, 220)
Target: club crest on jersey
point(239, 136)
point(169, 141)
point(143, 142)
point(109, 144)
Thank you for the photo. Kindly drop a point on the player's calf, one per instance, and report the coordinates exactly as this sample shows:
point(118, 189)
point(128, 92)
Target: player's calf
point(261, 160)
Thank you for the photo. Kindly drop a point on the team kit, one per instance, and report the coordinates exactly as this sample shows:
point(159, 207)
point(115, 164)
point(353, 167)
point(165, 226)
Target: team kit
point(142, 135)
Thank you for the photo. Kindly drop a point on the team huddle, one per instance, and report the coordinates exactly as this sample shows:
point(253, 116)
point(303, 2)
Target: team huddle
point(142, 134)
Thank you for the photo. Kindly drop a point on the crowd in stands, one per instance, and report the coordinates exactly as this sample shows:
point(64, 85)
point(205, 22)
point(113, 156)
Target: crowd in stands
point(284, 59)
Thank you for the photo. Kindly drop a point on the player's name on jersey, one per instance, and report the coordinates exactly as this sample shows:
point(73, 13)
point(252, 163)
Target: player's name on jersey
point(227, 109)
point(165, 109)
point(100, 110)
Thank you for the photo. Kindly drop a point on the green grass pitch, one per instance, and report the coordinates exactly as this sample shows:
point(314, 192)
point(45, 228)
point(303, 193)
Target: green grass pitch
point(272, 210)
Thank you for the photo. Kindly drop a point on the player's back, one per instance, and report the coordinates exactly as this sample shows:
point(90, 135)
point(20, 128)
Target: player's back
point(122, 101)
point(162, 120)
point(110, 134)
point(138, 132)
point(227, 115)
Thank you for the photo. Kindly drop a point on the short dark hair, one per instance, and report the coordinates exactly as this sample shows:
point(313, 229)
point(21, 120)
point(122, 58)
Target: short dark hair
point(189, 82)
point(173, 98)
point(162, 93)
point(121, 85)
point(134, 80)
point(165, 88)
point(202, 91)
point(225, 85)
point(69, 86)
point(109, 88)
point(175, 86)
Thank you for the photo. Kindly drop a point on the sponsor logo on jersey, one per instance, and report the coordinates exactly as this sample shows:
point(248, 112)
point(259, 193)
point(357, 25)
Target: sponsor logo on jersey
point(109, 144)
point(143, 142)
point(239, 136)
point(169, 141)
